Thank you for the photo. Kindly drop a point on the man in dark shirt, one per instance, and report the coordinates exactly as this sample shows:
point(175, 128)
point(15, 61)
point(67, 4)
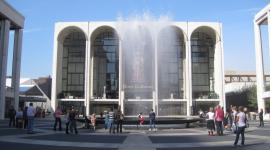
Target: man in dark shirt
point(261, 118)
point(72, 118)
point(152, 119)
point(12, 114)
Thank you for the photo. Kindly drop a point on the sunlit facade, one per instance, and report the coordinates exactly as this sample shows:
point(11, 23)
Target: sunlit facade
point(176, 71)
point(262, 43)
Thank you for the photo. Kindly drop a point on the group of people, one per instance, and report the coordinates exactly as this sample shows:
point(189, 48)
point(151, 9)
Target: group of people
point(235, 119)
point(71, 124)
point(22, 118)
point(113, 119)
point(152, 120)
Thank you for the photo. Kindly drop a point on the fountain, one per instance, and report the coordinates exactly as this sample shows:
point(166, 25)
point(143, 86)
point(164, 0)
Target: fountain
point(139, 38)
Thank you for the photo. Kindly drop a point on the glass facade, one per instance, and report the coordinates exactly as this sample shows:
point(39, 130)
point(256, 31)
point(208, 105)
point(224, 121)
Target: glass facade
point(156, 67)
point(171, 57)
point(106, 65)
point(202, 49)
point(73, 66)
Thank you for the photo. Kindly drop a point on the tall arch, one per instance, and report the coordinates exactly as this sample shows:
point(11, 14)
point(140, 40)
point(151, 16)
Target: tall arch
point(203, 41)
point(171, 71)
point(71, 67)
point(105, 54)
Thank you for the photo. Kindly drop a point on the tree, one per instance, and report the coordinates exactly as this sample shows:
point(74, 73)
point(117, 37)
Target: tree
point(252, 97)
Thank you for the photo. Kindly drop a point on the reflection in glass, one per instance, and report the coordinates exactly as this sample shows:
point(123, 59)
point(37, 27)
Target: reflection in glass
point(106, 62)
point(202, 49)
point(73, 64)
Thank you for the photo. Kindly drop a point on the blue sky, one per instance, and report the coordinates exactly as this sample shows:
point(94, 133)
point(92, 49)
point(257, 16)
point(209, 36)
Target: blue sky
point(41, 15)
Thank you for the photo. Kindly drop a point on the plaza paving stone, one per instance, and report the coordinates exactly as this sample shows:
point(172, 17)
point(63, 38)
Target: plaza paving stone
point(194, 138)
point(81, 138)
point(191, 139)
point(12, 131)
point(19, 146)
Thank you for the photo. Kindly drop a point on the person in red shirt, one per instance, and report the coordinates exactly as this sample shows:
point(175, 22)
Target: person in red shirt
point(219, 117)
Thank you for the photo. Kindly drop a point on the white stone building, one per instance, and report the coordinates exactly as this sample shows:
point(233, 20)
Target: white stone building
point(175, 68)
point(262, 46)
point(10, 20)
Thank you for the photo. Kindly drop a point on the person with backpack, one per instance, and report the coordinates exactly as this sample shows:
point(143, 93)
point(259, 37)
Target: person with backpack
point(241, 125)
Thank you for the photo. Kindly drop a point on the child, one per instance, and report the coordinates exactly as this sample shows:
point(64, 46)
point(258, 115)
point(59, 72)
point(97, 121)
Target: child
point(140, 119)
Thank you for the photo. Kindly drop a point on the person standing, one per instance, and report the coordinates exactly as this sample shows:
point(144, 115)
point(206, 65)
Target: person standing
point(25, 118)
point(106, 120)
point(228, 120)
point(67, 120)
point(261, 118)
point(140, 120)
point(241, 125)
point(72, 118)
point(210, 121)
point(219, 117)
point(31, 111)
point(19, 119)
point(93, 121)
point(57, 117)
point(152, 119)
point(111, 120)
point(12, 115)
point(119, 119)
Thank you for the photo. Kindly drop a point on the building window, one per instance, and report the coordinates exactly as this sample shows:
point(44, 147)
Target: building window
point(171, 56)
point(202, 49)
point(106, 62)
point(73, 66)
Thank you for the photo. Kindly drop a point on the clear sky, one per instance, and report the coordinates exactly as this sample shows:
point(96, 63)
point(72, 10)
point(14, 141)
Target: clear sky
point(41, 15)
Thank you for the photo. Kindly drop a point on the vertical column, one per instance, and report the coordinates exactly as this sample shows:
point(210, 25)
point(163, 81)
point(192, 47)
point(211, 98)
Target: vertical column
point(259, 67)
point(155, 93)
point(87, 74)
point(16, 66)
point(188, 77)
point(188, 73)
point(121, 93)
point(4, 37)
point(58, 46)
point(219, 69)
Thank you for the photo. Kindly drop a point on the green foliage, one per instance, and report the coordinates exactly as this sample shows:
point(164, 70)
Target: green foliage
point(252, 97)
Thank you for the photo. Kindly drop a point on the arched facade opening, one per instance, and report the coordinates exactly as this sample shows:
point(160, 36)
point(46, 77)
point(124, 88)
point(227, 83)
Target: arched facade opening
point(203, 42)
point(171, 71)
point(171, 57)
point(105, 54)
point(73, 66)
point(71, 71)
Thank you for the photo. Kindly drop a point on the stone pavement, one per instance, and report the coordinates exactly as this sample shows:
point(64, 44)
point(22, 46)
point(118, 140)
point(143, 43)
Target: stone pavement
point(131, 139)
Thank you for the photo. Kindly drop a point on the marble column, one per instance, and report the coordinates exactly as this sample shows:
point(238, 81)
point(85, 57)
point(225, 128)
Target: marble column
point(16, 66)
point(4, 39)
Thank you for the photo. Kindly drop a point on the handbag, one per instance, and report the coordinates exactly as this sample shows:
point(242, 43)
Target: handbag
point(234, 128)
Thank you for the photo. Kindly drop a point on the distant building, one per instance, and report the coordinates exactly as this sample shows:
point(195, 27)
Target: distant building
point(10, 20)
point(36, 91)
point(175, 68)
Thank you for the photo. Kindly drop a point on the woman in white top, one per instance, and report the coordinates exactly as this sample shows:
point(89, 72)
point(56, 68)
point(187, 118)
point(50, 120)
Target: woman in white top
point(210, 121)
point(241, 124)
